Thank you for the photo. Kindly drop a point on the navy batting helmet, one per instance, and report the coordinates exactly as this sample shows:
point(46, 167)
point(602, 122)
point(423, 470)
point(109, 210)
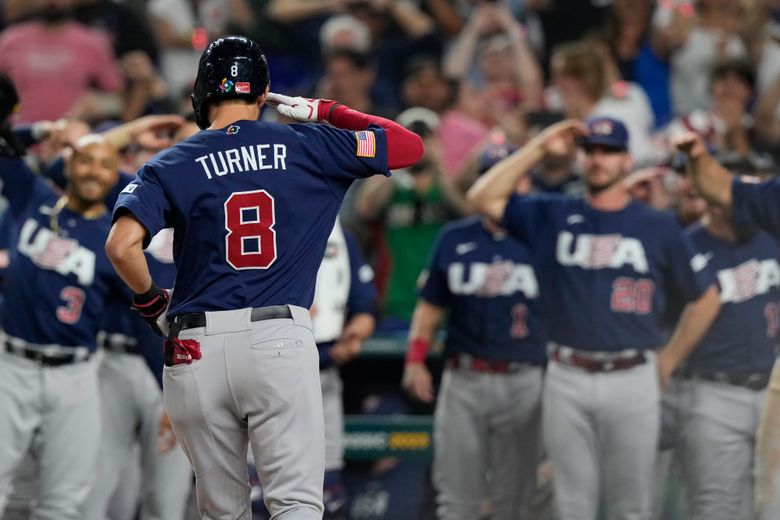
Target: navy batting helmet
point(233, 67)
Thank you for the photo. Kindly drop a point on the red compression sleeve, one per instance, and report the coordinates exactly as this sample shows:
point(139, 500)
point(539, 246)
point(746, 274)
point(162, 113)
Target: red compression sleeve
point(404, 148)
point(418, 350)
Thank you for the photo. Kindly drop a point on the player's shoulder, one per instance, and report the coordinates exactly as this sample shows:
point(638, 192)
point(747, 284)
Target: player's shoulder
point(461, 227)
point(650, 215)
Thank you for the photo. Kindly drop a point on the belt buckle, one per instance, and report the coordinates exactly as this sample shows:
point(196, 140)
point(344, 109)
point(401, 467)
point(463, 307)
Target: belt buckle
point(608, 366)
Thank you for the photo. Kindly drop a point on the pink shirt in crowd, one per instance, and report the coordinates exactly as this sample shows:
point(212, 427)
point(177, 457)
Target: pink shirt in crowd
point(52, 69)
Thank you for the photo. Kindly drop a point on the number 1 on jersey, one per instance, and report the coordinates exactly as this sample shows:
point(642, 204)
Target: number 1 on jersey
point(250, 242)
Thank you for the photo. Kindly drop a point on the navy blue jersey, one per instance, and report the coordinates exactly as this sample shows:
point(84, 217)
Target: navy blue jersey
point(58, 283)
point(743, 336)
point(756, 206)
point(251, 207)
point(488, 283)
point(120, 319)
point(606, 275)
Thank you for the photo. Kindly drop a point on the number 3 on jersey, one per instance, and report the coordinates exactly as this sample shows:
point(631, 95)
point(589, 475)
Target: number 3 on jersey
point(250, 242)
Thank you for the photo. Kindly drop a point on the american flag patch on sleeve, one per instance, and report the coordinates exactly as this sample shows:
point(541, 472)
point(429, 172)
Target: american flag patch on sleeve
point(366, 143)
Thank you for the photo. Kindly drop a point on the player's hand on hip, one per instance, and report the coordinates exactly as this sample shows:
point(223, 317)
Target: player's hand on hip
point(666, 367)
point(153, 305)
point(300, 108)
point(417, 382)
point(166, 439)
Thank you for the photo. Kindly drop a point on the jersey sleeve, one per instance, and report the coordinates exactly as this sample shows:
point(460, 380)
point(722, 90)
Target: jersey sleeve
point(435, 289)
point(19, 185)
point(362, 293)
point(756, 205)
point(524, 216)
point(347, 155)
point(144, 198)
point(688, 274)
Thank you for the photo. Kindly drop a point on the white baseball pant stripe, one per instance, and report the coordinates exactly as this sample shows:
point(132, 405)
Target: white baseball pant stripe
point(258, 383)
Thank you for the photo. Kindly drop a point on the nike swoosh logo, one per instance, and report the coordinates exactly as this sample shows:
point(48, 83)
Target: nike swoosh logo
point(462, 249)
point(700, 261)
point(575, 219)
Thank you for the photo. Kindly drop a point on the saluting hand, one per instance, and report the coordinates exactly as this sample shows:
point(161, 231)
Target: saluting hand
point(300, 108)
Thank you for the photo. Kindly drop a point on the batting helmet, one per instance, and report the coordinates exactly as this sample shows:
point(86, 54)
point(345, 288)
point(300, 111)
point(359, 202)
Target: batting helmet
point(233, 67)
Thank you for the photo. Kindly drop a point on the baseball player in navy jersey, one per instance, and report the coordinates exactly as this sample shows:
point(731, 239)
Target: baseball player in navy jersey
point(751, 206)
point(132, 409)
point(59, 280)
point(729, 370)
point(488, 411)
point(606, 263)
point(252, 205)
point(342, 318)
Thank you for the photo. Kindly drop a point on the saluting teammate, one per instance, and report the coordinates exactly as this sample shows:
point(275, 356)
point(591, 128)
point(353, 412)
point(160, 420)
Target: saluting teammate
point(751, 206)
point(488, 411)
point(252, 205)
point(342, 317)
point(729, 370)
point(606, 263)
point(59, 280)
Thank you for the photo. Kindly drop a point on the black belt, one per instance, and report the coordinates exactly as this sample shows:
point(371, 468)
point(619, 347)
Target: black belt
point(194, 320)
point(756, 381)
point(45, 358)
point(128, 346)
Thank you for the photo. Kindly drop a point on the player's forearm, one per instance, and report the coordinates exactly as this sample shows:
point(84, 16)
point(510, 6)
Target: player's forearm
point(124, 248)
point(712, 181)
point(425, 320)
point(694, 323)
point(360, 326)
point(495, 186)
point(404, 147)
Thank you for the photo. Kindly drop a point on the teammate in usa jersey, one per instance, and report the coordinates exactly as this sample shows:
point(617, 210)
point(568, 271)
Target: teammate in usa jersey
point(59, 280)
point(752, 206)
point(728, 372)
point(252, 205)
point(342, 317)
point(488, 410)
point(606, 263)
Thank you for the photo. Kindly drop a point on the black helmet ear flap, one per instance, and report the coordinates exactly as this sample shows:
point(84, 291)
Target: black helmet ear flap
point(233, 67)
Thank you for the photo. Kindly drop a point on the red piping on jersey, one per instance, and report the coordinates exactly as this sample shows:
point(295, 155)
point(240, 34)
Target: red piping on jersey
point(404, 147)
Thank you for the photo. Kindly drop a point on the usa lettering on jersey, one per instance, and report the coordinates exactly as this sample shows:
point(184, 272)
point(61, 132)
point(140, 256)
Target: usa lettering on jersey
point(749, 279)
point(50, 251)
point(489, 280)
point(244, 159)
point(601, 251)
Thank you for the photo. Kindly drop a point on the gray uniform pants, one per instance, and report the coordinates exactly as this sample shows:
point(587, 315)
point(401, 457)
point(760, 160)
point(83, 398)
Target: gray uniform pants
point(131, 403)
point(258, 383)
point(718, 449)
point(59, 406)
point(601, 435)
point(486, 433)
point(333, 408)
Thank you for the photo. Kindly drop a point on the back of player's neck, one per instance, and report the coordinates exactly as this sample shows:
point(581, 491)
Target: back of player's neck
point(226, 115)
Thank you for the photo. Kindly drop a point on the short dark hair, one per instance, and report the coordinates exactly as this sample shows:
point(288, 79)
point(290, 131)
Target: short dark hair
point(359, 60)
point(738, 67)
